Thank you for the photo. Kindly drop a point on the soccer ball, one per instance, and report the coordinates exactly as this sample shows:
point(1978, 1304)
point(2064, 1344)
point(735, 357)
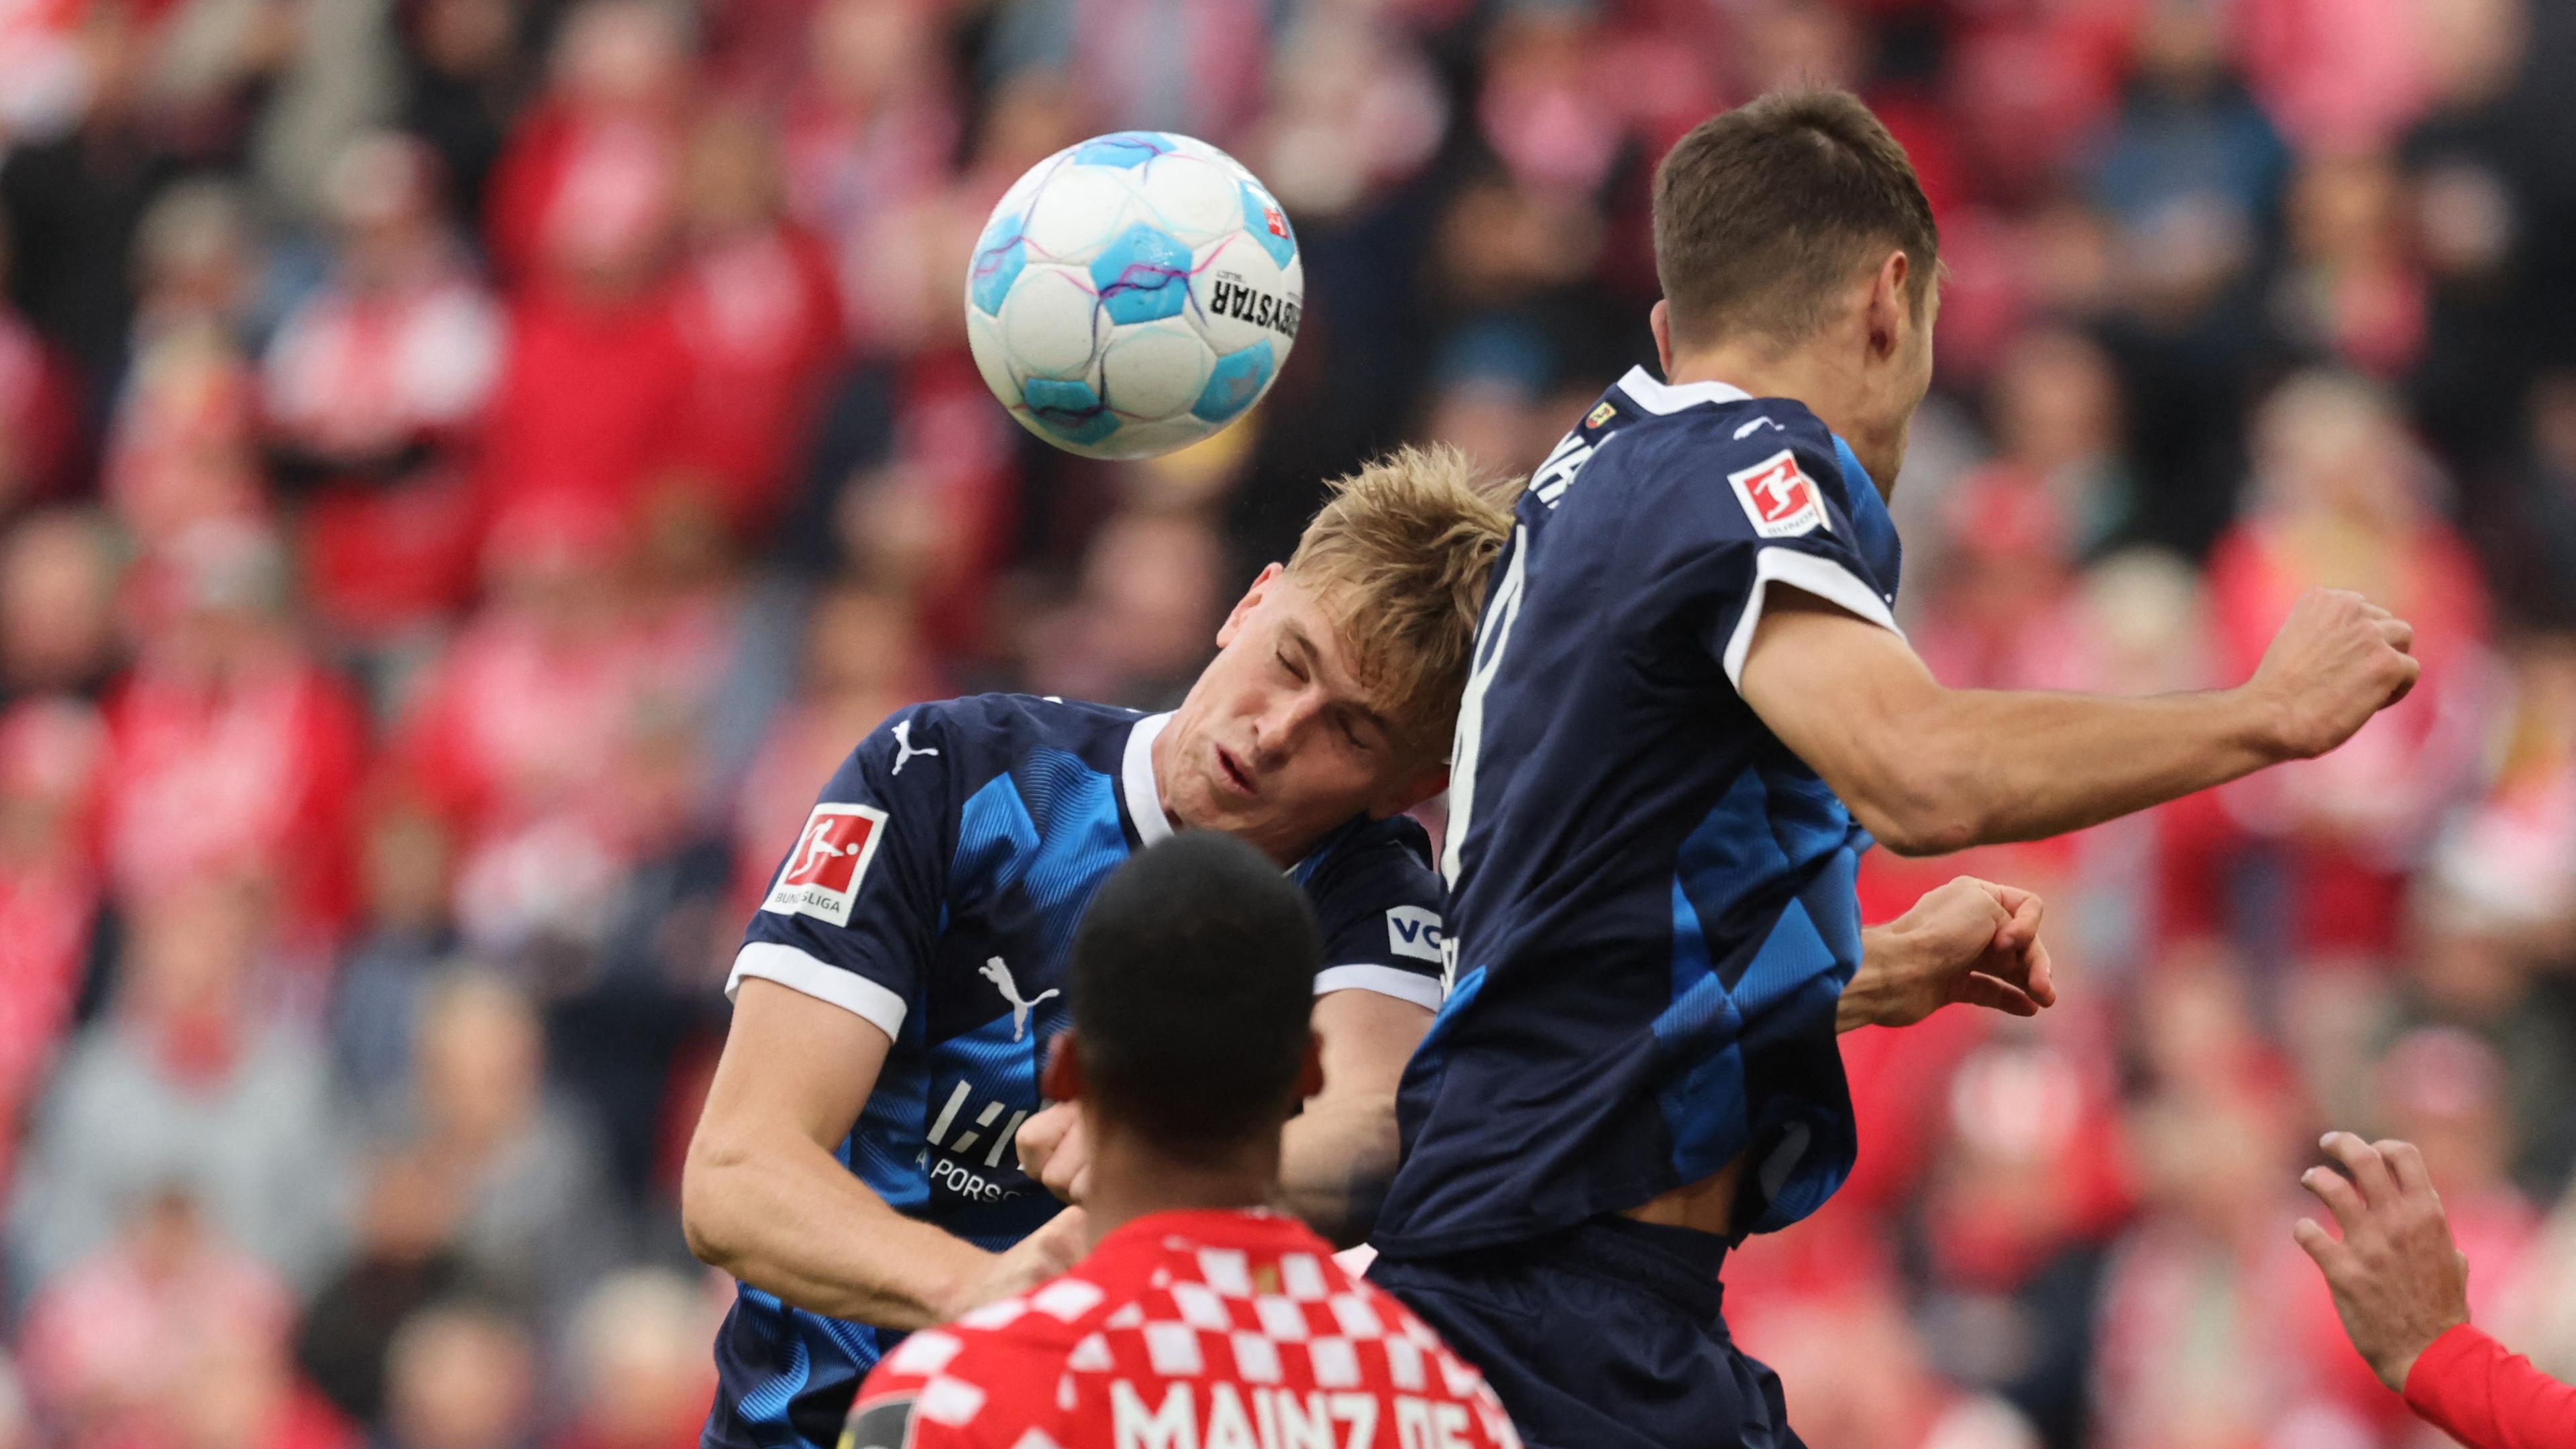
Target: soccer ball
point(1133, 294)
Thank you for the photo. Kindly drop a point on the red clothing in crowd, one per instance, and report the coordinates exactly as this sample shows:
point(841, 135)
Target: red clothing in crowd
point(2469, 1387)
point(759, 318)
point(589, 401)
point(253, 773)
point(1196, 1325)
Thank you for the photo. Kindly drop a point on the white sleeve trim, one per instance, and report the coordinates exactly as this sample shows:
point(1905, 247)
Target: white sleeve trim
point(1808, 573)
point(799, 971)
point(1422, 991)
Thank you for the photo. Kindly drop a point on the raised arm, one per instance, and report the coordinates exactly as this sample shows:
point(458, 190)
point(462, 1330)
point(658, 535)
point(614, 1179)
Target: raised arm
point(764, 1197)
point(1928, 769)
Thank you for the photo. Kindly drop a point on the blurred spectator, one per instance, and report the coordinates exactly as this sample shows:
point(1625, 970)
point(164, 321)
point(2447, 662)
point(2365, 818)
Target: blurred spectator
point(74, 202)
point(39, 405)
point(760, 320)
point(1867, 1385)
point(518, 729)
point(371, 387)
point(406, 937)
point(532, 1214)
point(2212, 1331)
point(2340, 501)
point(2444, 1090)
point(583, 222)
point(2352, 290)
point(51, 752)
point(640, 1367)
point(405, 1260)
point(58, 574)
point(460, 1376)
point(1144, 619)
point(235, 750)
point(165, 1292)
point(188, 1083)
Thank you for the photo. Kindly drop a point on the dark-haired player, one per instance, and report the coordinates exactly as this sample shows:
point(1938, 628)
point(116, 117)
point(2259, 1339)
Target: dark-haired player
point(1688, 686)
point(1200, 1317)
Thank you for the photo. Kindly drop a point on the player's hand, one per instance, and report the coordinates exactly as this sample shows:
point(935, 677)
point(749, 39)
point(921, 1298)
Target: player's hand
point(1054, 1153)
point(2338, 660)
point(2398, 1281)
point(1051, 1250)
point(1968, 940)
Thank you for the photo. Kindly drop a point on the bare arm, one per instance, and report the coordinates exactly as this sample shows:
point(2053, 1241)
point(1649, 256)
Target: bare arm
point(1929, 769)
point(763, 1197)
point(1337, 1156)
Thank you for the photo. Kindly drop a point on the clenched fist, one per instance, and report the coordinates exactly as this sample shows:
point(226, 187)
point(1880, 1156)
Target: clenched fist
point(2338, 660)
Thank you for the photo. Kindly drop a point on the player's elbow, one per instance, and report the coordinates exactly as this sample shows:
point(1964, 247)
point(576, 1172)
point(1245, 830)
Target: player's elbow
point(1923, 807)
point(709, 1188)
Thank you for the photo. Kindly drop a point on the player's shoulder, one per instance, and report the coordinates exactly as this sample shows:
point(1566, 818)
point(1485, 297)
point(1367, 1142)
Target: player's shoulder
point(1396, 846)
point(980, 735)
point(1373, 865)
point(1676, 435)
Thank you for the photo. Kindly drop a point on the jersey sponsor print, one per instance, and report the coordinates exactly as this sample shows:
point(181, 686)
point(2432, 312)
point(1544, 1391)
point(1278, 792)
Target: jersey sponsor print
point(1185, 1330)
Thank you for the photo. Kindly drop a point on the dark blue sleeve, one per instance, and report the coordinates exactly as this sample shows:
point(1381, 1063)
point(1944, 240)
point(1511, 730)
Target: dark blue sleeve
point(852, 911)
point(1378, 902)
point(1763, 510)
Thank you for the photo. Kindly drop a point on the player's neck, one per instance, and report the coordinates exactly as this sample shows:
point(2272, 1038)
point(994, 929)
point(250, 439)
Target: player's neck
point(1807, 375)
point(1131, 1179)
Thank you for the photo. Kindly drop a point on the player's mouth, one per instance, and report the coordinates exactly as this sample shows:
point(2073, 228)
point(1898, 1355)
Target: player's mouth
point(1231, 771)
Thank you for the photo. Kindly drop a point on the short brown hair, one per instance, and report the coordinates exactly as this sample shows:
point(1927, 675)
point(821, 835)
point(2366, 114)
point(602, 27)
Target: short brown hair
point(1762, 214)
point(1398, 557)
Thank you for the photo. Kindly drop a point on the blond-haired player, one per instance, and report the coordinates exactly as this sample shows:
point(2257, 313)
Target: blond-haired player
point(855, 1166)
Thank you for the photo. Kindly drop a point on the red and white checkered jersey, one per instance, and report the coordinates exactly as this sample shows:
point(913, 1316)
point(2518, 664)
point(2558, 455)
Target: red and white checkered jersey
point(1184, 1330)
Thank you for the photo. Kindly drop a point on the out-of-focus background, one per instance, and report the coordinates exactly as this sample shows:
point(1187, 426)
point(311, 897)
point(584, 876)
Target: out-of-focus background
point(469, 468)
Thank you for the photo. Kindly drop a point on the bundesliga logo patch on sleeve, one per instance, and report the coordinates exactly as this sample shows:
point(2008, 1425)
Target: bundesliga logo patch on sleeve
point(1780, 500)
point(830, 859)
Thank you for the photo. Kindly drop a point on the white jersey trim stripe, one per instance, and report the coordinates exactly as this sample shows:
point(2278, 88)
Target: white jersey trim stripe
point(1144, 802)
point(800, 971)
point(1808, 573)
point(1422, 991)
point(1662, 398)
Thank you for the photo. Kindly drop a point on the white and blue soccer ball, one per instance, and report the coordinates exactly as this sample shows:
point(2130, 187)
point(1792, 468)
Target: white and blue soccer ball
point(1133, 294)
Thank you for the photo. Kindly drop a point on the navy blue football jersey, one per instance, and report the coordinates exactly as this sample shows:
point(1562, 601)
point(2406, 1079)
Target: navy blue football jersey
point(1651, 899)
point(934, 891)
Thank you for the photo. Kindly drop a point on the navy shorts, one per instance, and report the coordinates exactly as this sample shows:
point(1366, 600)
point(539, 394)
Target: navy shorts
point(1606, 1336)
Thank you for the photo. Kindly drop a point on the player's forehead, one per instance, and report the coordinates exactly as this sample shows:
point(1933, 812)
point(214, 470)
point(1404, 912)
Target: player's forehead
point(1315, 622)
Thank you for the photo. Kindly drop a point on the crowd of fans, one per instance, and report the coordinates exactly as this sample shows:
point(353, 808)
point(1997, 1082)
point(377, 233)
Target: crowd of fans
point(470, 468)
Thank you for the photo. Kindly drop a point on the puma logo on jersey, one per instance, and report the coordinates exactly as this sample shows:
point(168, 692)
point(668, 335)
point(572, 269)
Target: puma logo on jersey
point(903, 750)
point(1000, 975)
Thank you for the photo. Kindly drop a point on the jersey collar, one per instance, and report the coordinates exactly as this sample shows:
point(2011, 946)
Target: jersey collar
point(1659, 398)
point(1144, 800)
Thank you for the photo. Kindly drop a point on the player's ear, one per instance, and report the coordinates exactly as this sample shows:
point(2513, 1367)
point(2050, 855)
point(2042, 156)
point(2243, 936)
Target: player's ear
point(1660, 322)
point(1884, 315)
point(1061, 1081)
point(1244, 606)
point(1310, 1075)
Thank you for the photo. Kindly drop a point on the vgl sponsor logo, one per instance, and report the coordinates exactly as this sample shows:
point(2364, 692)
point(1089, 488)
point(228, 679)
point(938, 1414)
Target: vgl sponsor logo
point(1413, 931)
point(1233, 297)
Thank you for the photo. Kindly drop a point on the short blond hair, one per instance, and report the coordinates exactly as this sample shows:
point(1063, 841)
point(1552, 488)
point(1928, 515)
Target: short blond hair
point(1398, 556)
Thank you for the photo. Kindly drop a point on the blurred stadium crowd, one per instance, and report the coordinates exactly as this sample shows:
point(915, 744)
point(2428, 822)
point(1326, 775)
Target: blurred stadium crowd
point(469, 468)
